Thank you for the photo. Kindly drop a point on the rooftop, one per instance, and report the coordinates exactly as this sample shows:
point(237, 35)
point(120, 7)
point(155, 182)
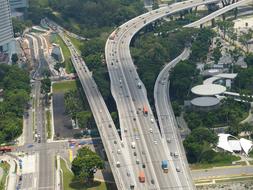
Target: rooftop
point(205, 101)
point(208, 89)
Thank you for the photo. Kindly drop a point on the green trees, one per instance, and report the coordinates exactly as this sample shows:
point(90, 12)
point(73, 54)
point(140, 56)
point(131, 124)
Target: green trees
point(179, 80)
point(199, 148)
point(225, 26)
point(230, 113)
point(249, 59)
point(197, 144)
point(151, 53)
point(85, 165)
point(89, 18)
point(14, 58)
point(244, 80)
point(45, 85)
point(19, 26)
point(15, 83)
point(245, 37)
point(78, 109)
point(201, 44)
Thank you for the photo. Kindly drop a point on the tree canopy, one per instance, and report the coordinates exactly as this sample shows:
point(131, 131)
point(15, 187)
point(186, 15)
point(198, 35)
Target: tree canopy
point(16, 85)
point(85, 164)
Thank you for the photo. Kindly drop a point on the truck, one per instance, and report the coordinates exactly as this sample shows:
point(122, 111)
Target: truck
point(139, 85)
point(145, 110)
point(165, 166)
point(141, 177)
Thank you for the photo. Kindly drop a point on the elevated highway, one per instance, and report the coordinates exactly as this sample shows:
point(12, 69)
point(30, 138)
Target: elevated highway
point(130, 101)
point(115, 149)
point(218, 13)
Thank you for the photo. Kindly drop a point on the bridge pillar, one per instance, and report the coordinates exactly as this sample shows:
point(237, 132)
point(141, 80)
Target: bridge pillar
point(213, 22)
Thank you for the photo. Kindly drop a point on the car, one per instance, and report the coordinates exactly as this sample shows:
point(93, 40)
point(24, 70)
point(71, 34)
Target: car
point(176, 154)
point(118, 151)
point(135, 154)
point(128, 173)
point(137, 161)
point(151, 130)
point(143, 166)
point(152, 181)
point(30, 146)
point(168, 140)
point(171, 153)
point(155, 141)
point(177, 169)
point(134, 119)
point(115, 142)
point(152, 120)
point(110, 126)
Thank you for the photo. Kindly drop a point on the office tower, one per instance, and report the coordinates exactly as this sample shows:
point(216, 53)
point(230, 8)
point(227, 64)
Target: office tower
point(7, 43)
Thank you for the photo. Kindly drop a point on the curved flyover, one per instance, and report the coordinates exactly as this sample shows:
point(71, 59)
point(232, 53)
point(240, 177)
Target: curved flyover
point(136, 127)
point(218, 13)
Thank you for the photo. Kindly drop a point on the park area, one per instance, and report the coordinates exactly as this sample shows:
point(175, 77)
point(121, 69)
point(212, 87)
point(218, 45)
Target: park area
point(69, 183)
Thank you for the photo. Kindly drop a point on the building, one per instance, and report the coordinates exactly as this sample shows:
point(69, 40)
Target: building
point(7, 42)
point(18, 8)
point(205, 103)
point(208, 89)
point(232, 144)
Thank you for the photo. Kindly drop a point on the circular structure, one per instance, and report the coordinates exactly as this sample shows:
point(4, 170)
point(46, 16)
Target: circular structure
point(208, 89)
point(206, 101)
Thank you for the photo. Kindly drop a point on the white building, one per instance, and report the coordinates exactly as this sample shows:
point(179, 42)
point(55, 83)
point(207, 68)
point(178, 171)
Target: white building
point(231, 144)
point(7, 42)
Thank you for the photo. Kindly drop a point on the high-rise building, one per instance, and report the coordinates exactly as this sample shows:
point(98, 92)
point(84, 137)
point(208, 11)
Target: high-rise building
point(18, 8)
point(7, 43)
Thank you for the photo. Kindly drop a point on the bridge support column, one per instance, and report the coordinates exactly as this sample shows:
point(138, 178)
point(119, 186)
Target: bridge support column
point(213, 22)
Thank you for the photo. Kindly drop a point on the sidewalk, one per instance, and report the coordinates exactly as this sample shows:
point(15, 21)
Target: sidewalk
point(12, 177)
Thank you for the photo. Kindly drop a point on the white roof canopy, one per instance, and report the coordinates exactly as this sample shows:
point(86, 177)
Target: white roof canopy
point(235, 144)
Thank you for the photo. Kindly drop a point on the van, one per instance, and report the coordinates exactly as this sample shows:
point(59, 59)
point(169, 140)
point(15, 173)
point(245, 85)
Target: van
point(133, 145)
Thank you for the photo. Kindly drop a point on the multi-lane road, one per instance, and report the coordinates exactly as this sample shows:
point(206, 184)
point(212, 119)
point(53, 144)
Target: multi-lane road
point(115, 149)
point(142, 129)
point(142, 147)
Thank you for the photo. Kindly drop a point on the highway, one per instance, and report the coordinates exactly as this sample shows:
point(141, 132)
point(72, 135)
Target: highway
point(166, 118)
point(130, 101)
point(218, 13)
point(116, 151)
point(150, 147)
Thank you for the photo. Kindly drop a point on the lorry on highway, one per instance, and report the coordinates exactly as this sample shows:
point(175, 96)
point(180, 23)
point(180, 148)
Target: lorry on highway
point(141, 177)
point(145, 110)
point(165, 166)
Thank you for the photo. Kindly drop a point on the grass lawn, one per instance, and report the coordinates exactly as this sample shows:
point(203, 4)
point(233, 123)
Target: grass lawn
point(5, 166)
point(64, 86)
point(69, 184)
point(68, 64)
point(205, 166)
